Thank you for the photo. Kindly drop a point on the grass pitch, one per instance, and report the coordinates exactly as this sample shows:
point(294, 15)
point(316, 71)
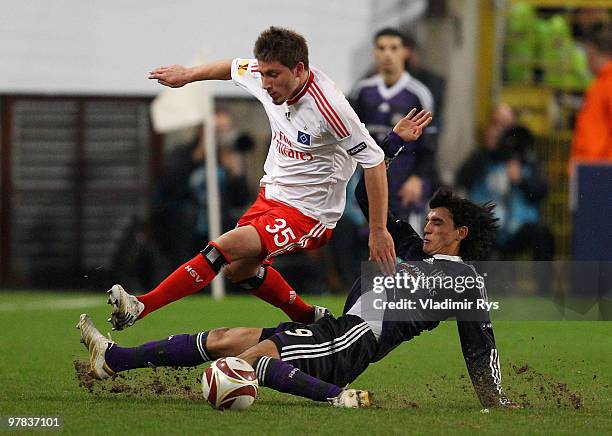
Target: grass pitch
point(561, 371)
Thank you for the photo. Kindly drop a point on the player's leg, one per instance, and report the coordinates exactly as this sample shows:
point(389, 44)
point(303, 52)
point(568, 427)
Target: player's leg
point(267, 284)
point(108, 358)
point(284, 377)
point(184, 349)
point(314, 360)
point(192, 276)
point(283, 229)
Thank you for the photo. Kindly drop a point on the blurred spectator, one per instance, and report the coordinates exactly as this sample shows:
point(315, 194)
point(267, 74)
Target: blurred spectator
point(149, 246)
point(179, 212)
point(236, 194)
point(502, 117)
point(174, 207)
point(228, 136)
point(507, 172)
point(593, 133)
point(380, 101)
point(234, 189)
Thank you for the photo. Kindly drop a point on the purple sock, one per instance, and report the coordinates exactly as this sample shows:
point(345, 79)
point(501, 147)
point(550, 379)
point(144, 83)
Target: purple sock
point(284, 377)
point(177, 350)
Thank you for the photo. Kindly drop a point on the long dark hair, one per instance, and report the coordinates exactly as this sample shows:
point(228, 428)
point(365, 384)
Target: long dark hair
point(478, 218)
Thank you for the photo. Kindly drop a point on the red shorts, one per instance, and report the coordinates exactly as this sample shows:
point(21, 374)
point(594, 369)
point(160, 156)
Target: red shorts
point(283, 228)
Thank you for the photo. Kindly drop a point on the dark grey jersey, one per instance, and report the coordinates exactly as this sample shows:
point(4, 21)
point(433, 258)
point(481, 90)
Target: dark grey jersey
point(393, 322)
point(392, 326)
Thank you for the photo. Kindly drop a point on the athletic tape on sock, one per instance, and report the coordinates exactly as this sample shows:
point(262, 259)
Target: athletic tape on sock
point(254, 282)
point(215, 257)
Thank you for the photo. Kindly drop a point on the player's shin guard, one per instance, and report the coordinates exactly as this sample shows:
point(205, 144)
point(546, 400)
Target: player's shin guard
point(177, 350)
point(189, 278)
point(272, 288)
point(284, 377)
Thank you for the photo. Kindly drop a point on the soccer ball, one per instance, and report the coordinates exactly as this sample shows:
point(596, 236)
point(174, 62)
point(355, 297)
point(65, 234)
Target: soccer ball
point(230, 383)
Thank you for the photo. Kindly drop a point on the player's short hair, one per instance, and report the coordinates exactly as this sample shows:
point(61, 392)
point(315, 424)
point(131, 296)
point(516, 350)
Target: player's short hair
point(390, 31)
point(600, 38)
point(282, 45)
point(478, 218)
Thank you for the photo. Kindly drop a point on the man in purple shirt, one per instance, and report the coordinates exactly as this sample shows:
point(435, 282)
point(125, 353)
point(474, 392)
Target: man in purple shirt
point(381, 100)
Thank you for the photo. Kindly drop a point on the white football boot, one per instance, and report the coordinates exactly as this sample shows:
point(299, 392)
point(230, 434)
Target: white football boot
point(352, 399)
point(96, 344)
point(320, 312)
point(126, 308)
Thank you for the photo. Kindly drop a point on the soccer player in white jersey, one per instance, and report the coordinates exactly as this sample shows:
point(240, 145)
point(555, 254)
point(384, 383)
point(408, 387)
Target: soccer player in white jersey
point(317, 140)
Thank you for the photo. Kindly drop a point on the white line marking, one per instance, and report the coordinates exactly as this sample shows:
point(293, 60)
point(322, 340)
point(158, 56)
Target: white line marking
point(57, 304)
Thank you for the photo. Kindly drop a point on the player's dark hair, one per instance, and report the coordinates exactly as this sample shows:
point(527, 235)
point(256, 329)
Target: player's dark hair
point(390, 31)
point(478, 218)
point(600, 38)
point(282, 45)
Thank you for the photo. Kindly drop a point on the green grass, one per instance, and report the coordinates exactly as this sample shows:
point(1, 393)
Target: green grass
point(422, 387)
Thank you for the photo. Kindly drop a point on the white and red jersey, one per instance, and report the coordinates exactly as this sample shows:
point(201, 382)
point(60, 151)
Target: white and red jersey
point(317, 141)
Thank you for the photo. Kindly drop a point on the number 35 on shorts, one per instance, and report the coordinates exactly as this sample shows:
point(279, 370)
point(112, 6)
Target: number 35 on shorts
point(282, 234)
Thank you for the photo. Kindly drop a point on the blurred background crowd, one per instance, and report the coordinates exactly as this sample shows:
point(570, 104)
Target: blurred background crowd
point(91, 195)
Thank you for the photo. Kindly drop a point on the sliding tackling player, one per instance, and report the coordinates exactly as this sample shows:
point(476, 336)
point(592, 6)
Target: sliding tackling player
point(316, 360)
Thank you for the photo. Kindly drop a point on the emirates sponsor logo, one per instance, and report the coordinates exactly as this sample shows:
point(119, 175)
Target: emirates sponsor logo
point(283, 146)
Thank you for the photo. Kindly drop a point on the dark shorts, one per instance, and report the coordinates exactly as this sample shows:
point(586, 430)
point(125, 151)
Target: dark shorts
point(334, 350)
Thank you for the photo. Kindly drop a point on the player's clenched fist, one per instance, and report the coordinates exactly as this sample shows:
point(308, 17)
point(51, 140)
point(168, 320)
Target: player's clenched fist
point(173, 76)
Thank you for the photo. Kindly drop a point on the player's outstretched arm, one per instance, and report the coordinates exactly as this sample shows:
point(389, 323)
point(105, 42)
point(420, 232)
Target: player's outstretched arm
point(176, 76)
point(482, 361)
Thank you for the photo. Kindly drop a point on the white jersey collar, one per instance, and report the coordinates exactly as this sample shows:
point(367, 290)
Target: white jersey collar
point(393, 90)
point(447, 257)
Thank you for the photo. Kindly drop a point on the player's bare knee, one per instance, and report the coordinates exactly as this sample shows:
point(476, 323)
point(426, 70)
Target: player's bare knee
point(233, 273)
point(241, 270)
point(217, 341)
point(225, 342)
point(264, 348)
point(229, 273)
